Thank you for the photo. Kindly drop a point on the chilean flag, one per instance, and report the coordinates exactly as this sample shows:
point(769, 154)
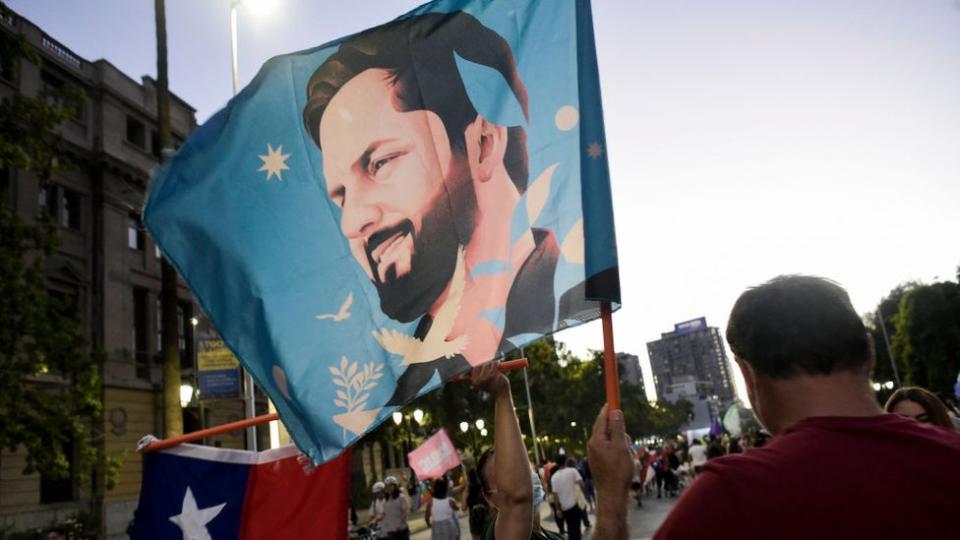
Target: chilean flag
point(203, 493)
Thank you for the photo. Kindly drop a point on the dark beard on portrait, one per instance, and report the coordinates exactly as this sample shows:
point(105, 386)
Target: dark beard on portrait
point(448, 224)
point(407, 297)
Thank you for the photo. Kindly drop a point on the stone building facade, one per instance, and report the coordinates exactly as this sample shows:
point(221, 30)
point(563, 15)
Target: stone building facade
point(106, 265)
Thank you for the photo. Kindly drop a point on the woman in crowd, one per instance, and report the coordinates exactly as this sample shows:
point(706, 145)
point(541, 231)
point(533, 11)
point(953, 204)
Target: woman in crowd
point(395, 511)
point(441, 513)
point(919, 404)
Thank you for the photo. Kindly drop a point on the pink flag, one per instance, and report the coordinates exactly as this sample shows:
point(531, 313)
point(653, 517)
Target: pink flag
point(434, 457)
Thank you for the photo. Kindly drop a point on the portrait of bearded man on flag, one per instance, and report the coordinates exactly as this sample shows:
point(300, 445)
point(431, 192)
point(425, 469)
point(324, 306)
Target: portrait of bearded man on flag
point(426, 188)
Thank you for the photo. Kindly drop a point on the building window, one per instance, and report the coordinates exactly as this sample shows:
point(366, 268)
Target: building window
point(156, 251)
point(65, 304)
point(6, 181)
point(70, 215)
point(136, 133)
point(140, 347)
point(8, 67)
point(184, 331)
point(47, 200)
point(57, 489)
point(51, 88)
point(185, 334)
point(135, 237)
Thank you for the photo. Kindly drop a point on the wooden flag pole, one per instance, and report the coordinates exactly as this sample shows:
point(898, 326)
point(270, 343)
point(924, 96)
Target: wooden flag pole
point(161, 444)
point(611, 372)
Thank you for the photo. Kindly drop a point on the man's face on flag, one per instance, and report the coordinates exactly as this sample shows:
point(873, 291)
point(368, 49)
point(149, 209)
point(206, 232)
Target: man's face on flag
point(399, 186)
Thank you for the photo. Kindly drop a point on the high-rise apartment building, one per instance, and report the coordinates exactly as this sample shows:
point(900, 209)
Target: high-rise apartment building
point(691, 362)
point(629, 365)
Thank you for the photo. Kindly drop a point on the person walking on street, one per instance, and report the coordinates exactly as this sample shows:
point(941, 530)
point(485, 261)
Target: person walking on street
point(376, 510)
point(396, 509)
point(565, 483)
point(698, 456)
point(441, 513)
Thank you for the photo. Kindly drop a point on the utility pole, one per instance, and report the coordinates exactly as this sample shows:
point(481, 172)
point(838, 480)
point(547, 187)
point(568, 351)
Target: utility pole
point(886, 341)
point(533, 429)
point(169, 339)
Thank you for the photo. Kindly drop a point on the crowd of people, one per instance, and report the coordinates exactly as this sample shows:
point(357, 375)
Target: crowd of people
point(837, 463)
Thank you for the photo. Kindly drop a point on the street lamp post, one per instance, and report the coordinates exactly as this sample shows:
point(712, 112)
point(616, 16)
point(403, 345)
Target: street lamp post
point(249, 388)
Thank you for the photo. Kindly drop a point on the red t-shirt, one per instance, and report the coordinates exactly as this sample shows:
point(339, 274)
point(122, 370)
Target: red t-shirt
point(829, 477)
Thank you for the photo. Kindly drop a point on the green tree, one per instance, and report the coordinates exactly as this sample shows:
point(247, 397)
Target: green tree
point(888, 312)
point(49, 378)
point(927, 341)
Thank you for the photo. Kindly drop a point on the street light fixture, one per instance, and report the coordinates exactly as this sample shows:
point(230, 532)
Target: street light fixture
point(479, 423)
point(483, 432)
point(186, 394)
point(397, 417)
point(260, 8)
point(464, 426)
point(418, 416)
point(573, 424)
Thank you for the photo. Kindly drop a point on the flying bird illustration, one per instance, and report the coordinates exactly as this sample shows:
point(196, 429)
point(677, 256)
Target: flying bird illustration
point(344, 312)
point(435, 343)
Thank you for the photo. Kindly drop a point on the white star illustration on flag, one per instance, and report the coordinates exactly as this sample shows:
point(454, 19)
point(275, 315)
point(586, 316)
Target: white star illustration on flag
point(595, 150)
point(274, 162)
point(192, 520)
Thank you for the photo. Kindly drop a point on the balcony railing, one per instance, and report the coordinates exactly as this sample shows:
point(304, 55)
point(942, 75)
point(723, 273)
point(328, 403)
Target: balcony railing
point(60, 51)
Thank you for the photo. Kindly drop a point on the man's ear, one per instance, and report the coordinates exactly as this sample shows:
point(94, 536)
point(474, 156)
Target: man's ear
point(486, 145)
point(749, 377)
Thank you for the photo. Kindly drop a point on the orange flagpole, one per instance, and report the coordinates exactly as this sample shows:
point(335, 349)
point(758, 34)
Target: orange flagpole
point(505, 366)
point(210, 432)
point(611, 372)
point(509, 365)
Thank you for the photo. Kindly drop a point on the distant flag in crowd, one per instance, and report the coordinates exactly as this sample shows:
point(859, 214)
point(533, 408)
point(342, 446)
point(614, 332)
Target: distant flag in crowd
point(434, 457)
point(371, 217)
point(203, 493)
point(731, 420)
point(715, 428)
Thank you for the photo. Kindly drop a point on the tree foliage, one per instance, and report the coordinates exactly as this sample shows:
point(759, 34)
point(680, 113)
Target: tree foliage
point(49, 383)
point(927, 340)
point(567, 392)
point(888, 312)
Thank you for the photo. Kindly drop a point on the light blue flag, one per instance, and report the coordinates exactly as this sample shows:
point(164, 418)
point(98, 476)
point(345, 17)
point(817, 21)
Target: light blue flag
point(370, 218)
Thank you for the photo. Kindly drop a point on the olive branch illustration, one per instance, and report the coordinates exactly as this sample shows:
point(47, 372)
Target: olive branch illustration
point(355, 383)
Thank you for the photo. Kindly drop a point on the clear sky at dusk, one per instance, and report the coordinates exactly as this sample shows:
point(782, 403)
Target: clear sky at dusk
point(746, 138)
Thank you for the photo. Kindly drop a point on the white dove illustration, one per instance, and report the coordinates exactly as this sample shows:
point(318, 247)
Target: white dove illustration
point(344, 312)
point(435, 344)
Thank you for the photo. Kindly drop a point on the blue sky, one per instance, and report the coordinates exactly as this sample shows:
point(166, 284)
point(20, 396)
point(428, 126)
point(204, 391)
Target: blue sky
point(746, 138)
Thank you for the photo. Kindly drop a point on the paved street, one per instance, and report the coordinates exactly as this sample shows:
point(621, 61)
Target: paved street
point(643, 521)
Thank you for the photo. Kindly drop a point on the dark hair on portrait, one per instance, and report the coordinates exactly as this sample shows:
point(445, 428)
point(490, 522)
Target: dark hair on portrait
point(418, 52)
point(439, 490)
point(794, 325)
point(932, 405)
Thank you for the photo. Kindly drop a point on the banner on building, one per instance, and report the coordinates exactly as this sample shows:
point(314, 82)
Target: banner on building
point(434, 457)
point(371, 217)
point(218, 370)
